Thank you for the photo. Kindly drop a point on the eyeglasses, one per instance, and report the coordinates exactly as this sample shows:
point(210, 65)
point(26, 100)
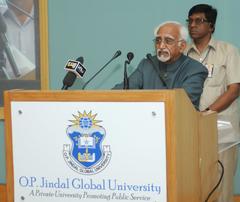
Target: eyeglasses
point(167, 41)
point(197, 21)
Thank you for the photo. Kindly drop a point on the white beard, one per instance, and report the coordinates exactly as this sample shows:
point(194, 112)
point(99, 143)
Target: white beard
point(163, 55)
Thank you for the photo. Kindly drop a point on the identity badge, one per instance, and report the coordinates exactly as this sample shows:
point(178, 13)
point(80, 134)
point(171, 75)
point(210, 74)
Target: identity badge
point(210, 68)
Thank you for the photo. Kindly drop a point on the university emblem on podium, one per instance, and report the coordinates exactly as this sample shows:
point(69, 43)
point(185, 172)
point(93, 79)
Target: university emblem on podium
point(86, 155)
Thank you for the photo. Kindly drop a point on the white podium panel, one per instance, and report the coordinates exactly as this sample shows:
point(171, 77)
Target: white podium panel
point(90, 151)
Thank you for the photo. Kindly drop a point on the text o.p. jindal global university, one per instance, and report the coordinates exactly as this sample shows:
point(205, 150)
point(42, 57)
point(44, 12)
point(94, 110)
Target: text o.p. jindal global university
point(88, 184)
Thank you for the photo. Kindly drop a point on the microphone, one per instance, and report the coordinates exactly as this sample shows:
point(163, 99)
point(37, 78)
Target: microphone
point(130, 56)
point(149, 57)
point(117, 54)
point(4, 44)
point(75, 69)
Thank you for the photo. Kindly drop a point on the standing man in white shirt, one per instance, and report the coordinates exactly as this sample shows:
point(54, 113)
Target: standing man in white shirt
point(221, 88)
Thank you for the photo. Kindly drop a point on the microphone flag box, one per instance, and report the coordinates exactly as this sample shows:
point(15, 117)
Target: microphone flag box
point(75, 67)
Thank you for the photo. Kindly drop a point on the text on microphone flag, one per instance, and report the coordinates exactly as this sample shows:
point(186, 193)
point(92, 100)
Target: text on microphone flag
point(75, 67)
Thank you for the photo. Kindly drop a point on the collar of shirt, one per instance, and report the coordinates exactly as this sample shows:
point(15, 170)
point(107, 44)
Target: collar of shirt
point(192, 47)
point(10, 14)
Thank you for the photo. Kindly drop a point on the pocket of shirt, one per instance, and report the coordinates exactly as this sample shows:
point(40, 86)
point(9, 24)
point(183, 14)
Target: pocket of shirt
point(216, 76)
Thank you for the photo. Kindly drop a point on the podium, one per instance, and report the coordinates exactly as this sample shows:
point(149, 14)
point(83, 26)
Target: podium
point(158, 147)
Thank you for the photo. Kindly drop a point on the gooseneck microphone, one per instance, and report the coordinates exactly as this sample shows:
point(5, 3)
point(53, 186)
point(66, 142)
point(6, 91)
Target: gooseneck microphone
point(117, 54)
point(6, 48)
point(130, 56)
point(73, 71)
point(149, 57)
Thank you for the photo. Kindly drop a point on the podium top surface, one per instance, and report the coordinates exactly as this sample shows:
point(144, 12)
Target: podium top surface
point(94, 95)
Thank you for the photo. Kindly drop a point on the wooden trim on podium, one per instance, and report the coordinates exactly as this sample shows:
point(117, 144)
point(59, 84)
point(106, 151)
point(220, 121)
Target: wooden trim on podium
point(3, 196)
point(237, 198)
point(43, 28)
point(9, 152)
point(208, 154)
point(182, 130)
point(1, 113)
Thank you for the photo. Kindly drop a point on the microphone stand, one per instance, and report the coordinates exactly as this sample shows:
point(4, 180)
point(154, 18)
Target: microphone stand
point(130, 56)
point(125, 80)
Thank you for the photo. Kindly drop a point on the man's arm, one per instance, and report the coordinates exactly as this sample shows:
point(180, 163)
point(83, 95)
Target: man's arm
point(194, 75)
point(226, 99)
point(233, 81)
point(193, 86)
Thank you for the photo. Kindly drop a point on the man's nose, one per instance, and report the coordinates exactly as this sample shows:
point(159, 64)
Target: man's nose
point(162, 44)
point(192, 24)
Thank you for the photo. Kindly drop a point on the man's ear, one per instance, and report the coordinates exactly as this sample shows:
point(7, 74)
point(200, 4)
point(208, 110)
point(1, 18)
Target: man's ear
point(182, 46)
point(212, 27)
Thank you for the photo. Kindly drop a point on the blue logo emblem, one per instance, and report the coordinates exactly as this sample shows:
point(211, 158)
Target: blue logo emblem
point(87, 154)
